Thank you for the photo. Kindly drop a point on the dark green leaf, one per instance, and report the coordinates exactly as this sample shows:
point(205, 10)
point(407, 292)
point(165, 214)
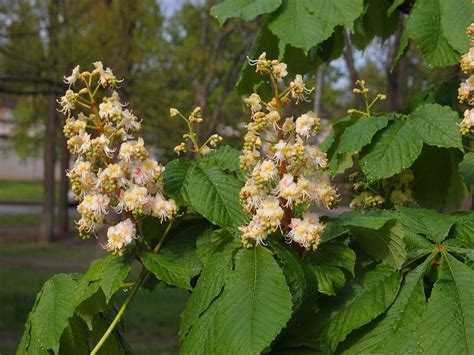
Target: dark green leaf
point(175, 178)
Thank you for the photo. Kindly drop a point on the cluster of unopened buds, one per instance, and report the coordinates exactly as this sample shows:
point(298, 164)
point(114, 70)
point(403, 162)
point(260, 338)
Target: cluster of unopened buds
point(466, 89)
point(113, 173)
point(395, 191)
point(284, 169)
point(190, 140)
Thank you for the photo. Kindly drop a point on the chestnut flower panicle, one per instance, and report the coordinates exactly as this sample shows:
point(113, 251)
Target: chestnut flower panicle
point(466, 88)
point(285, 169)
point(113, 172)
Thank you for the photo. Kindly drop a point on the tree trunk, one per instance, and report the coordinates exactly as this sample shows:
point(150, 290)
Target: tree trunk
point(349, 59)
point(318, 91)
point(46, 232)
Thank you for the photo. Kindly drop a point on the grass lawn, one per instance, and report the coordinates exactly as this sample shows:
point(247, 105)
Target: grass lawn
point(151, 321)
point(21, 190)
point(26, 220)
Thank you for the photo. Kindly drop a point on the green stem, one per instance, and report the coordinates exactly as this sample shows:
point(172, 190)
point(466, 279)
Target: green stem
point(120, 312)
point(136, 285)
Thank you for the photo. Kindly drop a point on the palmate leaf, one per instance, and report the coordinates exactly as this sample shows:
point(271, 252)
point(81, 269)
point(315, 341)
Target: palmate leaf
point(434, 225)
point(393, 150)
point(463, 229)
point(425, 26)
point(447, 326)
point(306, 23)
point(358, 303)
point(215, 195)
point(245, 9)
point(253, 307)
point(396, 331)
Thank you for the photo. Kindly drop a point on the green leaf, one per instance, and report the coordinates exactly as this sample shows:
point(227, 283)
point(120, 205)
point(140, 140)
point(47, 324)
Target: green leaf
point(53, 310)
point(115, 344)
point(212, 242)
point(361, 133)
point(106, 273)
point(75, 338)
point(306, 23)
point(180, 245)
point(215, 195)
point(227, 158)
point(466, 168)
point(249, 313)
point(463, 229)
point(294, 272)
point(437, 179)
point(208, 287)
point(385, 244)
point(456, 16)
point(327, 263)
point(358, 303)
point(175, 178)
point(393, 150)
point(250, 81)
point(424, 25)
point(448, 323)
point(395, 5)
point(436, 125)
point(167, 269)
point(434, 225)
point(255, 304)
point(396, 331)
point(245, 9)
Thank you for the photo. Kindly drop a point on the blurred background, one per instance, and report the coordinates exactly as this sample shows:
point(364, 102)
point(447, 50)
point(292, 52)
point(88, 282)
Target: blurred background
point(172, 53)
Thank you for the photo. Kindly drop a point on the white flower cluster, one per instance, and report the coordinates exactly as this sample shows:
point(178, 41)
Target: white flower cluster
point(466, 89)
point(113, 172)
point(285, 170)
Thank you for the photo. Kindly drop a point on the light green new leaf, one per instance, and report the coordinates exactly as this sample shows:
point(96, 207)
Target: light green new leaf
point(107, 273)
point(447, 326)
point(359, 302)
point(361, 133)
point(434, 225)
point(255, 304)
point(167, 269)
point(436, 125)
point(395, 332)
point(425, 26)
point(466, 168)
point(52, 312)
point(215, 195)
point(456, 15)
point(393, 150)
point(385, 244)
point(245, 9)
point(175, 179)
point(306, 23)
